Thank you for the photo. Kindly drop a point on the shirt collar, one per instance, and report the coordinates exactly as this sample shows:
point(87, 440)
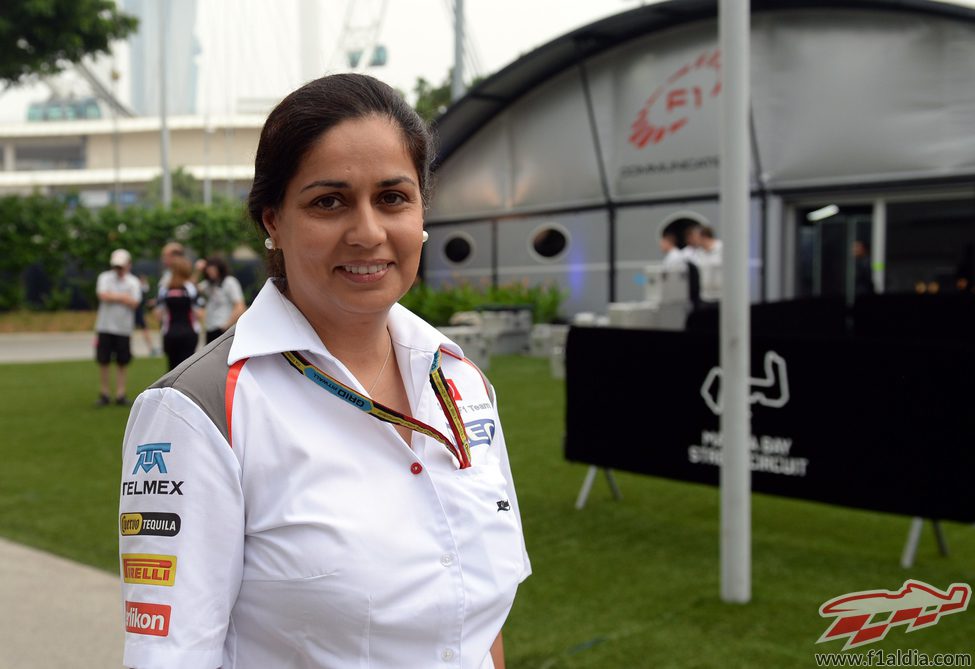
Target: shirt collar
point(274, 325)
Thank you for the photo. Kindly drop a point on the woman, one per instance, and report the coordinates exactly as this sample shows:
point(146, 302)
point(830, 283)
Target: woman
point(223, 294)
point(176, 306)
point(326, 485)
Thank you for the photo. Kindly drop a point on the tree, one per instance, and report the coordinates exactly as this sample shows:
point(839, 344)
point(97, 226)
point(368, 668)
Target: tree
point(431, 101)
point(186, 188)
point(43, 36)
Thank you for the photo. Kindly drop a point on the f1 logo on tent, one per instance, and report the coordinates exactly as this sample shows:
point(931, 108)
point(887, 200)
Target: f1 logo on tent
point(866, 617)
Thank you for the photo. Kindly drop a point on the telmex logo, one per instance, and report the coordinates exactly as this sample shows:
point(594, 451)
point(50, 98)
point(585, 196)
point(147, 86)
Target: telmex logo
point(149, 569)
point(151, 456)
point(866, 617)
point(152, 487)
point(149, 524)
point(145, 618)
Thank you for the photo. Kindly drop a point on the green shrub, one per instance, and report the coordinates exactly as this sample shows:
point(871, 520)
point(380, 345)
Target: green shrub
point(437, 305)
point(55, 235)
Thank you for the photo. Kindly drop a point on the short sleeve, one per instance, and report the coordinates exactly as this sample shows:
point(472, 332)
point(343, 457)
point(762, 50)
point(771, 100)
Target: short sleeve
point(135, 289)
point(181, 526)
point(234, 292)
point(102, 284)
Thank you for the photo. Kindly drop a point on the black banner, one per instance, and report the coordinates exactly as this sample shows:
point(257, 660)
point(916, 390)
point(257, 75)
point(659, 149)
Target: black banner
point(880, 425)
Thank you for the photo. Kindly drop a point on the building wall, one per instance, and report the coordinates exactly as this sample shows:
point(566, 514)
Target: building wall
point(841, 99)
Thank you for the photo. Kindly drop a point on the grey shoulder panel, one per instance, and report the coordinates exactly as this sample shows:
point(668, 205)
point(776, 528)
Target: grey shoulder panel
point(203, 378)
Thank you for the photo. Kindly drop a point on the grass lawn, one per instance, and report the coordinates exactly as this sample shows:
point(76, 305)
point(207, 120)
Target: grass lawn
point(617, 585)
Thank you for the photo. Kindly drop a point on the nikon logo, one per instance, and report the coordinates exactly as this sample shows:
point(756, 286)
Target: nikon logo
point(149, 524)
point(145, 618)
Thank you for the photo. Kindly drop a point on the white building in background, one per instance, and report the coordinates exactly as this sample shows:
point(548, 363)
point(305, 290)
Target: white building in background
point(182, 50)
point(97, 158)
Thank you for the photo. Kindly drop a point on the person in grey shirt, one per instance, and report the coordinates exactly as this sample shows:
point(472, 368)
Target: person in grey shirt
point(223, 294)
point(119, 293)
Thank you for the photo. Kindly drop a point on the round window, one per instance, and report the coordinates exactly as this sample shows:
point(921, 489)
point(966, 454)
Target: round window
point(549, 242)
point(457, 248)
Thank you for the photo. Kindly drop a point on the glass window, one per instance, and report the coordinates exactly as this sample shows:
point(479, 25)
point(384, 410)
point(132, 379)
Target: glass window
point(549, 242)
point(458, 248)
point(834, 251)
point(930, 244)
point(49, 156)
point(679, 227)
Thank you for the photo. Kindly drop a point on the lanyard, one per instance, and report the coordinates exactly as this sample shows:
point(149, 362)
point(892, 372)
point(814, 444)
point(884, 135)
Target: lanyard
point(459, 448)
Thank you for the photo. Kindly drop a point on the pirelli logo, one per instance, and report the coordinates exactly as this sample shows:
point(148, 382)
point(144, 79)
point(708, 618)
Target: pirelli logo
point(149, 524)
point(149, 569)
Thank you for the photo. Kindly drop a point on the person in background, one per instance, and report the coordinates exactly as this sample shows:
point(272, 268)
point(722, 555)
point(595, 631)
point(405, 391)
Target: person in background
point(119, 294)
point(177, 309)
point(862, 273)
point(673, 254)
point(171, 252)
point(709, 246)
point(348, 497)
point(224, 298)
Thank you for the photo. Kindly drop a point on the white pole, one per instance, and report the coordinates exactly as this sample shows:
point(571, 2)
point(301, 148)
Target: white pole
point(457, 79)
point(733, 28)
point(207, 180)
point(878, 244)
point(167, 177)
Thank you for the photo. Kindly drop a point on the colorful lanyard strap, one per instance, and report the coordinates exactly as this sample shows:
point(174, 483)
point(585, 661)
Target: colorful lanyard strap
point(460, 448)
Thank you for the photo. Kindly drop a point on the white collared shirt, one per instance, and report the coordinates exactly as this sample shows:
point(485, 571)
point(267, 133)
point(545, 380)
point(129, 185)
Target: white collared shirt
point(317, 538)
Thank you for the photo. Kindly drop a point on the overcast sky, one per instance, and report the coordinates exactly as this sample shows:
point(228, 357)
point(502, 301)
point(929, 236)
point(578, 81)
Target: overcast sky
point(255, 50)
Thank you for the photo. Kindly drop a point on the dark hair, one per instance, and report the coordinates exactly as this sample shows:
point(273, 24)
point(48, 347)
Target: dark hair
point(221, 265)
point(309, 112)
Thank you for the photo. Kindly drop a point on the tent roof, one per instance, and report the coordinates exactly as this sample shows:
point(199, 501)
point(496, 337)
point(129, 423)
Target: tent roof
point(491, 96)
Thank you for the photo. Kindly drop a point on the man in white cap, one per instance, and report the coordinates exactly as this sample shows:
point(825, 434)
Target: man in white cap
point(119, 293)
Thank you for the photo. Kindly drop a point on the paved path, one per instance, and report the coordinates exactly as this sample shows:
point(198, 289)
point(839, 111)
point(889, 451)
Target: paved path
point(56, 613)
point(53, 346)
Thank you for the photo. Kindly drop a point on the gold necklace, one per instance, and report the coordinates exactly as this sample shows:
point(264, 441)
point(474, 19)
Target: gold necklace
point(383, 368)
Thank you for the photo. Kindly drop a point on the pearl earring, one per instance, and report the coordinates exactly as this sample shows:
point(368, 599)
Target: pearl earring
point(269, 244)
point(426, 236)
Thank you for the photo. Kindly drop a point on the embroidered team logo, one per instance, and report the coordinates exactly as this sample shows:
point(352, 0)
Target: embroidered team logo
point(480, 432)
point(866, 617)
point(151, 457)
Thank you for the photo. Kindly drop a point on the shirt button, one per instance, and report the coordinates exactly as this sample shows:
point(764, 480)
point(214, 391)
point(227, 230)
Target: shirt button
point(447, 654)
point(446, 560)
point(416, 468)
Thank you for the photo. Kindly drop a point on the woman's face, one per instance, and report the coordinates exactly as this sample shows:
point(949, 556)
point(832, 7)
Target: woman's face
point(351, 222)
point(211, 272)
